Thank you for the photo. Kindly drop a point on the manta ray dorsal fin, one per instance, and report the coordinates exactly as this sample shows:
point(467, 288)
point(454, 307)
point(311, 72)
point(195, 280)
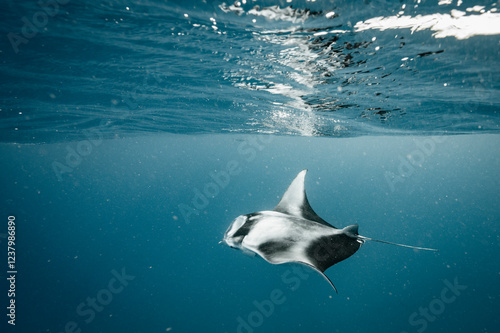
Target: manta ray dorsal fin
point(294, 201)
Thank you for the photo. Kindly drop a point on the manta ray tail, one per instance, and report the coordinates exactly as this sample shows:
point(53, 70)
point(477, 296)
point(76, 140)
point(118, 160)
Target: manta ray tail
point(403, 245)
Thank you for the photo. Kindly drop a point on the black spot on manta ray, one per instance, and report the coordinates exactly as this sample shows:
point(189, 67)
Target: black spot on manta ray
point(326, 251)
point(272, 247)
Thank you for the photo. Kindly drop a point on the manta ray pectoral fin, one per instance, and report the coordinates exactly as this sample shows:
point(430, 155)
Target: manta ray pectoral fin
point(247, 252)
point(294, 202)
point(322, 274)
point(403, 245)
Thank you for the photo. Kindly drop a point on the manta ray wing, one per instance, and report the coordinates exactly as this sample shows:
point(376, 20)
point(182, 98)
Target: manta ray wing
point(294, 202)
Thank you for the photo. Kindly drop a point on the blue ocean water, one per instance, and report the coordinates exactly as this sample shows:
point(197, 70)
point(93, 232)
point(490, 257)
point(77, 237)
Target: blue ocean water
point(119, 118)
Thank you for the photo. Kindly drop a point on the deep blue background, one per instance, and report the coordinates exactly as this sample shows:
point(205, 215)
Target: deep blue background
point(119, 208)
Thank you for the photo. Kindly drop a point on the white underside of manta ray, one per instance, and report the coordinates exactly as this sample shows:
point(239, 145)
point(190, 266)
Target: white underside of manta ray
point(293, 232)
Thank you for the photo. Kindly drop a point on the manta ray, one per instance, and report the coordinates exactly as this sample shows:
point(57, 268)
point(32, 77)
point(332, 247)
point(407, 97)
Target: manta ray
point(293, 233)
